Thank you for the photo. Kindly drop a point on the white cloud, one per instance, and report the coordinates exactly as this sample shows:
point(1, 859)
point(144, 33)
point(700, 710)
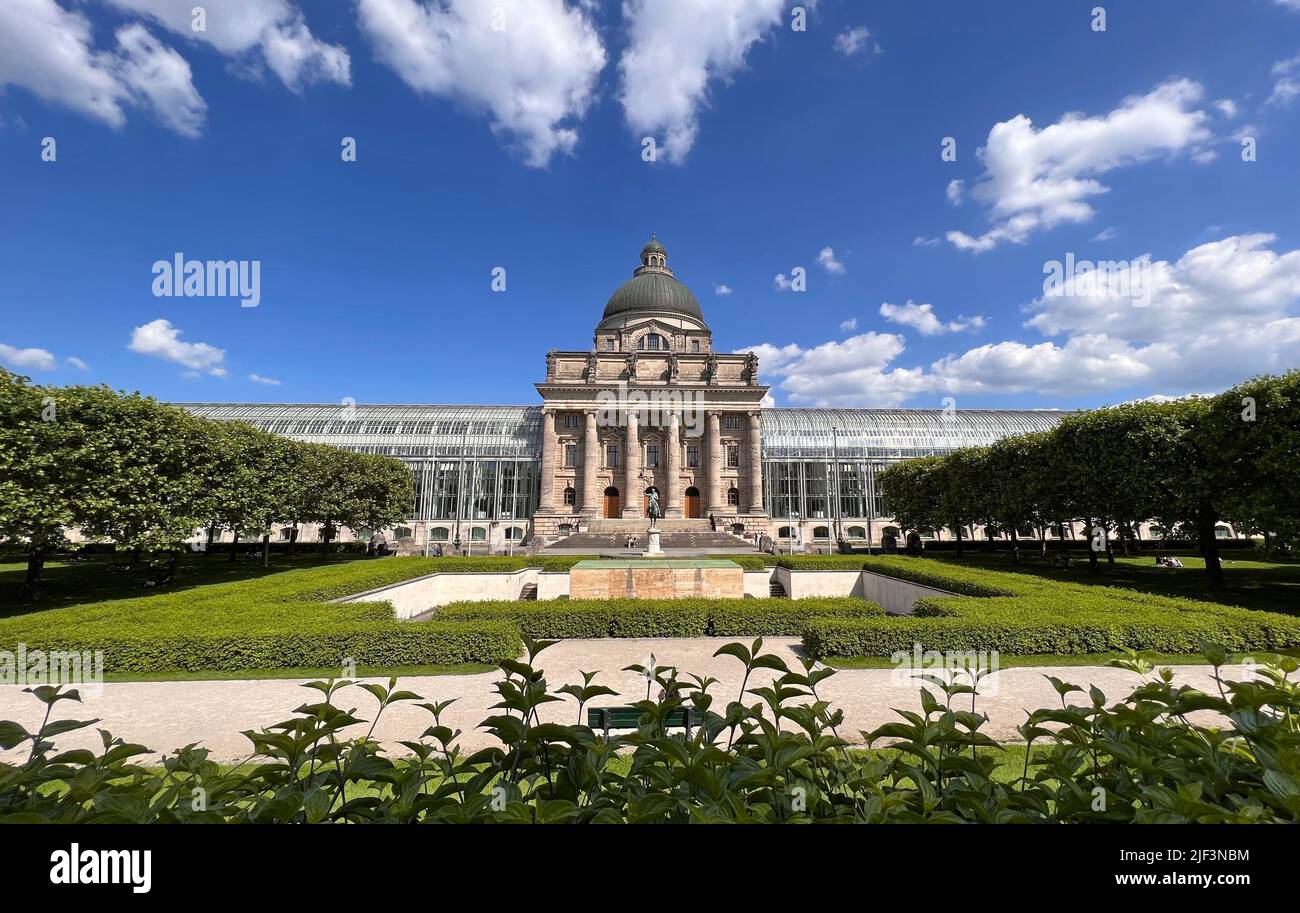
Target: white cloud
point(272, 33)
point(676, 49)
point(50, 51)
point(956, 189)
point(781, 283)
point(722, 289)
point(29, 359)
point(259, 379)
point(854, 41)
point(162, 340)
point(1106, 234)
point(921, 317)
point(536, 76)
point(848, 326)
point(1287, 86)
point(1227, 107)
point(158, 74)
point(1220, 312)
point(75, 362)
point(1289, 4)
point(827, 259)
point(922, 241)
point(1036, 179)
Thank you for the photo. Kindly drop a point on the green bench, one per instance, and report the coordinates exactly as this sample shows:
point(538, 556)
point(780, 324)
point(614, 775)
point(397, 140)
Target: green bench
point(607, 718)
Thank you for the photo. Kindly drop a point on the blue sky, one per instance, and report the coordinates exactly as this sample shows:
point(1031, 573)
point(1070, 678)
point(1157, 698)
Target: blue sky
point(521, 148)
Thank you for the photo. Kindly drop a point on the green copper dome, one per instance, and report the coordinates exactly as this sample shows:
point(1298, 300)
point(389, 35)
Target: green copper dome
point(653, 289)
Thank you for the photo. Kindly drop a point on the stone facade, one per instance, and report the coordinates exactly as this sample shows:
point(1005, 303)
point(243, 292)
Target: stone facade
point(650, 406)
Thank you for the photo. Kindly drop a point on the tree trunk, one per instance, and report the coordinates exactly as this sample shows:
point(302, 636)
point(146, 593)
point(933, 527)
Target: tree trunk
point(1092, 551)
point(1206, 520)
point(266, 550)
point(1063, 544)
point(212, 537)
point(1015, 546)
point(35, 564)
point(961, 545)
point(293, 537)
point(234, 546)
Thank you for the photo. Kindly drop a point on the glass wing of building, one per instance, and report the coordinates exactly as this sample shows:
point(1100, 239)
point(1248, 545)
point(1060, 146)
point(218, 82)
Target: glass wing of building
point(483, 462)
point(810, 455)
point(468, 462)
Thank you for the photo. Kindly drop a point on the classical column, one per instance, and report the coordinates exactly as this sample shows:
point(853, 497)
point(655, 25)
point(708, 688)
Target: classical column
point(632, 487)
point(717, 501)
point(755, 464)
point(590, 466)
point(549, 445)
point(671, 495)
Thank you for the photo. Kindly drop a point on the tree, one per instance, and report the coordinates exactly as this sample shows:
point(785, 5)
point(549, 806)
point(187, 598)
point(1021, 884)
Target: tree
point(39, 478)
point(134, 468)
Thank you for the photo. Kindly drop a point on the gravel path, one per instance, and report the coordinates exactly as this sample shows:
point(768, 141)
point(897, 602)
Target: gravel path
point(168, 715)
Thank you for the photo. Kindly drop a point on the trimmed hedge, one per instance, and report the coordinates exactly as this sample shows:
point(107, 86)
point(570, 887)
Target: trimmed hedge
point(1020, 614)
point(660, 617)
point(278, 621)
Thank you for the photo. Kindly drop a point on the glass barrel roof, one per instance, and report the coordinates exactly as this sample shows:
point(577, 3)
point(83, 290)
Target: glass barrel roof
point(415, 430)
point(791, 434)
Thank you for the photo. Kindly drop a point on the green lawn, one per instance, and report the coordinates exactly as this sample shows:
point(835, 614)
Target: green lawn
point(1270, 585)
point(75, 583)
point(223, 618)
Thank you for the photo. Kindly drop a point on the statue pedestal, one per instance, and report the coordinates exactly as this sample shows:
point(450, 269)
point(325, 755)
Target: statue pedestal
point(652, 542)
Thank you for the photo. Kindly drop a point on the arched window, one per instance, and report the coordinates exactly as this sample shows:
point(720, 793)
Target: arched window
point(783, 533)
point(822, 532)
point(570, 497)
point(402, 532)
point(890, 531)
point(1222, 532)
point(438, 534)
point(653, 342)
point(515, 533)
point(478, 534)
point(737, 529)
point(857, 532)
point(286, 533)
point(733, 497)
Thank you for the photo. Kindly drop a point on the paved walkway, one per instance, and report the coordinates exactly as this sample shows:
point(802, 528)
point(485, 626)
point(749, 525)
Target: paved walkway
point(168, 715)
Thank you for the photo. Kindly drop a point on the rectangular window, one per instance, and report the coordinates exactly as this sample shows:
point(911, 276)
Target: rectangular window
point(609, 345)
point(695, 345)
point(692, 456)
point(731, 422)
point(573, 421)
point(570, 456)
point(652, 455)
point(611, 456)
point(733, 456)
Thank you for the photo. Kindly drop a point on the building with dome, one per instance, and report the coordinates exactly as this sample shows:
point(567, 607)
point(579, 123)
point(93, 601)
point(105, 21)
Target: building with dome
point(652, 412)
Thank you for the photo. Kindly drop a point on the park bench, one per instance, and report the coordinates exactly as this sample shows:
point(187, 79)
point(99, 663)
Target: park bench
point(608, 718)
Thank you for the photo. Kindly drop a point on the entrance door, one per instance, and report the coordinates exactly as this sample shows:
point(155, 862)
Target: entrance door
point(693, 502)
point(612, 511)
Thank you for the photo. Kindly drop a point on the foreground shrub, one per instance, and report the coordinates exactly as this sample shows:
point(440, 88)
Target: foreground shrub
point(774, 754)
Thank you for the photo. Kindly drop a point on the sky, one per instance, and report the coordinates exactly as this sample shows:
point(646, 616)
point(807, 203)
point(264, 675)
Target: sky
point(879, 198)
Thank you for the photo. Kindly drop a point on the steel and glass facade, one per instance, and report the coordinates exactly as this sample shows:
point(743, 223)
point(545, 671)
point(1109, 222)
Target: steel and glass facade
point(483, 463)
